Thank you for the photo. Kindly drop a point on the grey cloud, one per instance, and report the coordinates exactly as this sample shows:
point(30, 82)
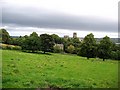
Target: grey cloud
point(33, 17)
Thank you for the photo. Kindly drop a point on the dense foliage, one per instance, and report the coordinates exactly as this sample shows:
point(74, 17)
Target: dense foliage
point(104, 48)
point(46, 42)
point(5, 36)
point(32, 42)
point(89, 47)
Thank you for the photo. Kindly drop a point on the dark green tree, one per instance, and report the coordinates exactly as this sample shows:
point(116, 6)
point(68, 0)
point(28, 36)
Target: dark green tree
point(47, 42)
point(14, 41)
point(88, 47)
point(115, 53)
point(31, 42)
point(5, 36)
point(56, 39)
point(19, 41)
point(105, 48)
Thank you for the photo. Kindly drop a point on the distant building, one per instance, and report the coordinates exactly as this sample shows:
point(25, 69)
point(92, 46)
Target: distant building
point(74, 35)
point(66, 36)
point(61, 46)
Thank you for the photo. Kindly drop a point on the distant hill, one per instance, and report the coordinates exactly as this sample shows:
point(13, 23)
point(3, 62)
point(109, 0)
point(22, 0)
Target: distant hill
point(115, 40)
point(15, 36)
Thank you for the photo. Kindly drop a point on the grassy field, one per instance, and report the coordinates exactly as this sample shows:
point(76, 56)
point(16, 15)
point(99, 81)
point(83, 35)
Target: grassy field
point(28, 70)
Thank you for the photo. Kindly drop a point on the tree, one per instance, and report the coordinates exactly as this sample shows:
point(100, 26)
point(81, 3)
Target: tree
point(118, 54)
point(31, 42)
point(88, 47)
point(115, 52)
point(47, 42)
point(70, 49)
point(56, 39)
point(5, 36)
point(66, 42)
point(18, 41)
point(105, 48)
point(76, 43)
point(114, 55)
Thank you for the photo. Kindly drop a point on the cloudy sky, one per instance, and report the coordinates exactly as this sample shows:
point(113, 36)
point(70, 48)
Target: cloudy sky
point(62, 17)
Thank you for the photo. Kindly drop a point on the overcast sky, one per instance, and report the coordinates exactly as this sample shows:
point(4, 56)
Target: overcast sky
point(62, 17)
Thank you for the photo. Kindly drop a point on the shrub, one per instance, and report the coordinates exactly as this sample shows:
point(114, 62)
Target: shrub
point(3, 46)
point(17, 48)
point(70, 49)
point(9, 47)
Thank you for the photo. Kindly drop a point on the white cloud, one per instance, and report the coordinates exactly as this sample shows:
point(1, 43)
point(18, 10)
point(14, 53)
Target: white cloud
point(102, 9)
point(96, 8)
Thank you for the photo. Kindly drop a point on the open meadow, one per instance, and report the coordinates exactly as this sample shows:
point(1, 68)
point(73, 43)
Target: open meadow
point(33, 70)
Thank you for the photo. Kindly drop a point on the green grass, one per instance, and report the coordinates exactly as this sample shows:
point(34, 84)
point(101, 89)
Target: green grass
point(28, 70)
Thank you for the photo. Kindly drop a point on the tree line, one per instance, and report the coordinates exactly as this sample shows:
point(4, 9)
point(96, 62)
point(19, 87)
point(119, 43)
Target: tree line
point(89, 47)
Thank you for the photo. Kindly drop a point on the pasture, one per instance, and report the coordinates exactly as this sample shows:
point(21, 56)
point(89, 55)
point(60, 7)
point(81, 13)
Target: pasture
point(32, 70)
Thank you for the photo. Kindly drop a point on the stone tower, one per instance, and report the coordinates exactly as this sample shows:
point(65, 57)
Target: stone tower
point(74, 35)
